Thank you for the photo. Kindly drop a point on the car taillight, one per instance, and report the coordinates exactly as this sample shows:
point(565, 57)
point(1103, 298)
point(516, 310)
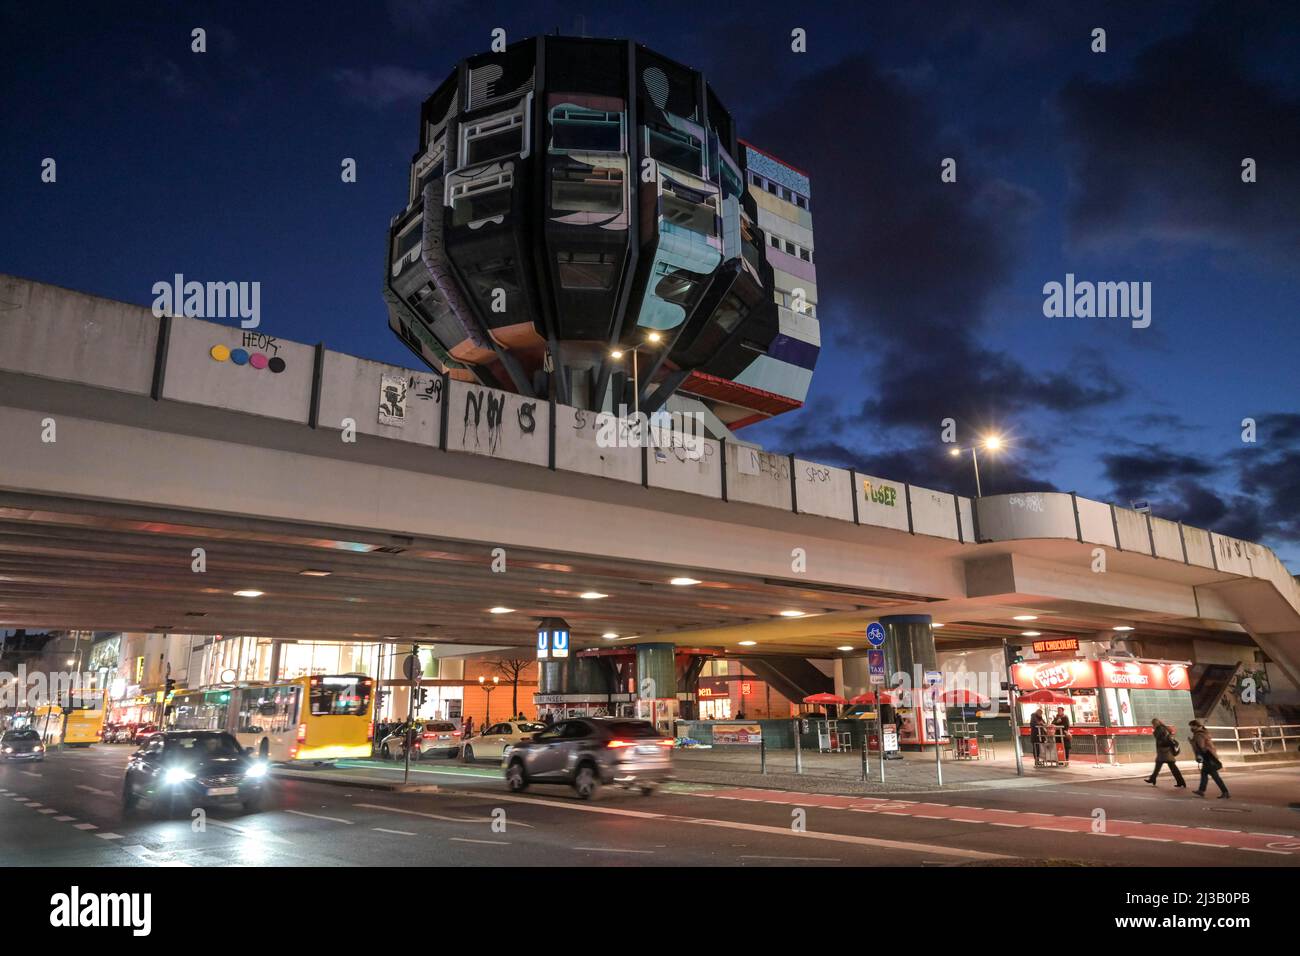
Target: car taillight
point(428, 736)
point(302, 733)
point(667, 742)
point(455, 733)
point(614, 744)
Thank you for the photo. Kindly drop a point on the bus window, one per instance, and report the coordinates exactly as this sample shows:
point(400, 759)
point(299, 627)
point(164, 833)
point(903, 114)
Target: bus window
point(268, 709)
point(340, 696)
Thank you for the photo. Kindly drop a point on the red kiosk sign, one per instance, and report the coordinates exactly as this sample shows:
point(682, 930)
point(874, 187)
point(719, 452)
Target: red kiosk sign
point(1088, 675)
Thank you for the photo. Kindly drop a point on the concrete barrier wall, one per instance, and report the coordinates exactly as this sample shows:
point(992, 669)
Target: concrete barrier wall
point(758, 477)
point(194, 374)
point(488, 421)
point(578, 447)
point(823, 490)
point(1096, 526)
point(53, 333)
point(694, 467)
point(383, 400)
point(57, 334)
point(882, 503)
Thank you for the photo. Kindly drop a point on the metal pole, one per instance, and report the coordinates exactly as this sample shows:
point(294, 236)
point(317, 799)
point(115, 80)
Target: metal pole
point(410, 716)
point(880, 723)
point(636, 387)
point(938, 757)
point(798, 748)
point(762, 755)
point(1015, 716)
point(864, 758)
point(976, 461)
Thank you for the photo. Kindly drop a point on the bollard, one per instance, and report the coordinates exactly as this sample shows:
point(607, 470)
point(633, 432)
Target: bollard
point(762, 755)
point(798, 750)
point(864, 758)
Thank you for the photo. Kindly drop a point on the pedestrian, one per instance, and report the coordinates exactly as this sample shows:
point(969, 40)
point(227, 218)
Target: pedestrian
point(468, 731)
point(1166, 753)
point(1062, 722)
point(1208, 757)
point(1037, 733)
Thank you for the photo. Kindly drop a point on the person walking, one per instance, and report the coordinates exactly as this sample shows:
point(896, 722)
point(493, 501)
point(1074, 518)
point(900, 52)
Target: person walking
point(1207, 755)
point(1166, 753)
point(1062, 724)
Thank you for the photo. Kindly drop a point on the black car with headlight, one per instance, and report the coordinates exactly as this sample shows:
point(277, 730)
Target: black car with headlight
point(188, 768)
point(21, 745)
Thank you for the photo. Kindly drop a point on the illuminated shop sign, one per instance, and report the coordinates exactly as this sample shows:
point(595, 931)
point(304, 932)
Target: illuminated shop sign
point(1134, 675)
point(1055, 644)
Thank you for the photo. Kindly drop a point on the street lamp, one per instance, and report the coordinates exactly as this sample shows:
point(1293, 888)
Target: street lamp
point(652, 338)
point(991, 443)
point(488, 689)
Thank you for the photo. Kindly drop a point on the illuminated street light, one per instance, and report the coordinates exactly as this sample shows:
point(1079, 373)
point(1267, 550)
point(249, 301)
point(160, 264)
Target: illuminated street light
point(991, 442)
point(652, 338)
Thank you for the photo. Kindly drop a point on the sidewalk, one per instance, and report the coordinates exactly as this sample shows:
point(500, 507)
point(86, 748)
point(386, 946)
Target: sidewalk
point(915, 773)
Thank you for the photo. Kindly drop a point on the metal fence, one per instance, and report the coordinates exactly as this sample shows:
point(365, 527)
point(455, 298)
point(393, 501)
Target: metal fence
point(1260, 739)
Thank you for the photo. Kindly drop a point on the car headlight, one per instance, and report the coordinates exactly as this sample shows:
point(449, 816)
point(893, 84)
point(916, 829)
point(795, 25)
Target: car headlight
point(177, 775)
point(255, 770)
point(9, 750)
point(40, 748)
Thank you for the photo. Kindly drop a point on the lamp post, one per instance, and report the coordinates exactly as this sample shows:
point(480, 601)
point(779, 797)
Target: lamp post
point(991, 443)
point(651, 339)
point(488, 689)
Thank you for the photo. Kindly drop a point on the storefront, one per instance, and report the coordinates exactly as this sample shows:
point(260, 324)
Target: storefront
point(714, 699)
point(1112, 702)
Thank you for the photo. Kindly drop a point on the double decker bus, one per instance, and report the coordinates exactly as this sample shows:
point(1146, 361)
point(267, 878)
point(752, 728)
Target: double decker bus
point(78, 721)
point(318, 718)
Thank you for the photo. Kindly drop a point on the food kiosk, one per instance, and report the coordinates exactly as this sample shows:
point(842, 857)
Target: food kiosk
point(1112, 701)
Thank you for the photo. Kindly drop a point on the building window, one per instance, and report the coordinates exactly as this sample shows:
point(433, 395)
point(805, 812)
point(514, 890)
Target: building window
point(688, 209)
point(587, 130)
point(771, 187)
point(481, 199)
point(496, 137)
point(800, 201)
point(805, 255)
point(773, 240)
point(586, 270)
point(789, 248)
point(586, 189)
point(677, 149)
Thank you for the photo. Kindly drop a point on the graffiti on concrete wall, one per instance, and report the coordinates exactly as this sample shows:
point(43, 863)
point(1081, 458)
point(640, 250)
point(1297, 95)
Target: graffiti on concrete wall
point(483, 422)
point(392, 400)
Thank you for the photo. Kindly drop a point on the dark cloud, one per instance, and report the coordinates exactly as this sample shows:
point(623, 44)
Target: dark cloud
point(1156, 156)
point(381, 86)
point(1134, 474)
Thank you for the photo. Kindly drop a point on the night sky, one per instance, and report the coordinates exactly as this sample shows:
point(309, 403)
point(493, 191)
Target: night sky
point(1119, 166)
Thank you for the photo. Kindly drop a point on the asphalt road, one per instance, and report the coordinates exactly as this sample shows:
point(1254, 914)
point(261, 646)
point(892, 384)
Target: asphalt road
point(67, 811)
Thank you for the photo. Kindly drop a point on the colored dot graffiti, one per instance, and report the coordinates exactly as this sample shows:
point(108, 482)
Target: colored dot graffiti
point(257, 360)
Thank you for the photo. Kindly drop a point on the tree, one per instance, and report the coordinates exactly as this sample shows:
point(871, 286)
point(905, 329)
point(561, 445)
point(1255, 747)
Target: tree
point(512, 669)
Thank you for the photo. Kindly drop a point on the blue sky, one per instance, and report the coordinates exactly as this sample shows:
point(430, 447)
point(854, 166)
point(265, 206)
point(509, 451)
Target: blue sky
point(1118, 166)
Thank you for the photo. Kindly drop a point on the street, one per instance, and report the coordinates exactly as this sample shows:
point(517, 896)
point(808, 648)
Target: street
point(67, 811)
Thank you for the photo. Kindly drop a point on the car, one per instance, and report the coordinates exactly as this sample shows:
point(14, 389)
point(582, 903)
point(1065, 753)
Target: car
point(21, 745)
point(193, 768)
point(495, 742)
point(590, 752)
point(144, 732)
point(428, 737)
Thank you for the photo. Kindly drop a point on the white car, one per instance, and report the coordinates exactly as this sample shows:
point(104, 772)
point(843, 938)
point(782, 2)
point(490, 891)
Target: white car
point(495, 742)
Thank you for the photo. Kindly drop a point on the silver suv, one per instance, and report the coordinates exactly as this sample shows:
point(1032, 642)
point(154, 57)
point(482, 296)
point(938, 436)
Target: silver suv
point(588, 752)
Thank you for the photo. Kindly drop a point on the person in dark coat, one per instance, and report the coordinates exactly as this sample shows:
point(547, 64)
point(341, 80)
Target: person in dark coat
point(1062, 724)
point(1208, 757)
point(1037, 733)
point(1166, 752)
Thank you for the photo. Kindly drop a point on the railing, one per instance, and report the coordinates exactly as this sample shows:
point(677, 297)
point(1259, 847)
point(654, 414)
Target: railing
point(1259, 739)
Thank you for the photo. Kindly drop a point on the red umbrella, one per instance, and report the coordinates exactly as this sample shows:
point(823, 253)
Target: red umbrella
point(867, 698)
point(1045, 697)
point(961, 697)
point(824, 699)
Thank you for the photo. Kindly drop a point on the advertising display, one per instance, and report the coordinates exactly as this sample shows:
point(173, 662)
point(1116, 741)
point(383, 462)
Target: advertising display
point(746, 733)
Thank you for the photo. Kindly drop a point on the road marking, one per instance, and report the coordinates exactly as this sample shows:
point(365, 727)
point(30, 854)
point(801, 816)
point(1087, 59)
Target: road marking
point(1014, 826)
point(735, 825)
point(608, 849)
point(469, 840)
point(64, 819)
point(109, 836)
point(1256, 849)
point(111, 776)
point(29, 773)
point(74, 770)
point(86, 826)
point(102, 793)
point(32, 803)
point(47, 810)
point(145, 855)
point(253, 832)
point(436, 816)
point(1219, 846)
point(317, 816)
point(397, 832)
point(1148, 839)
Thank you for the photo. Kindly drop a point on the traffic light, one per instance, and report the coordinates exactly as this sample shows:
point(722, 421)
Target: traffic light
point(170, 686)
point(1013, 655)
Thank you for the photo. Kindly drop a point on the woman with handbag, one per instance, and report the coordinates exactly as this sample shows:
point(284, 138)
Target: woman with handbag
point(1166, 752)
point(1208, 757)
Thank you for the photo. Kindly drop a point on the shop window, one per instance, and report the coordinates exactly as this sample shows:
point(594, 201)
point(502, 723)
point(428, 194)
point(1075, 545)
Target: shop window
point(586, 270)
point(586, 189)
point(573, 128)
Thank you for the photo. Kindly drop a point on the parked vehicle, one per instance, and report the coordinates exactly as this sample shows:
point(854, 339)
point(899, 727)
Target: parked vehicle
point(21, 745)
point(495, 742)
point(193, 767)
point(589, 752)
point(428, 737)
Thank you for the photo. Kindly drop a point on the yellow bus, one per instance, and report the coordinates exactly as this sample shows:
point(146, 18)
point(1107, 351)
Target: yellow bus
point(317, 718)
point(79, 724)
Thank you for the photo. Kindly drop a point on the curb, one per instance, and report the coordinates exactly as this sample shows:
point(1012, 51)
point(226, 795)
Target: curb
point(361, 783)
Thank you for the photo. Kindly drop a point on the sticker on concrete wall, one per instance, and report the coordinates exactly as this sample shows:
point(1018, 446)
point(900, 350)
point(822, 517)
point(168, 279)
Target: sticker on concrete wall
point(392, 401)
